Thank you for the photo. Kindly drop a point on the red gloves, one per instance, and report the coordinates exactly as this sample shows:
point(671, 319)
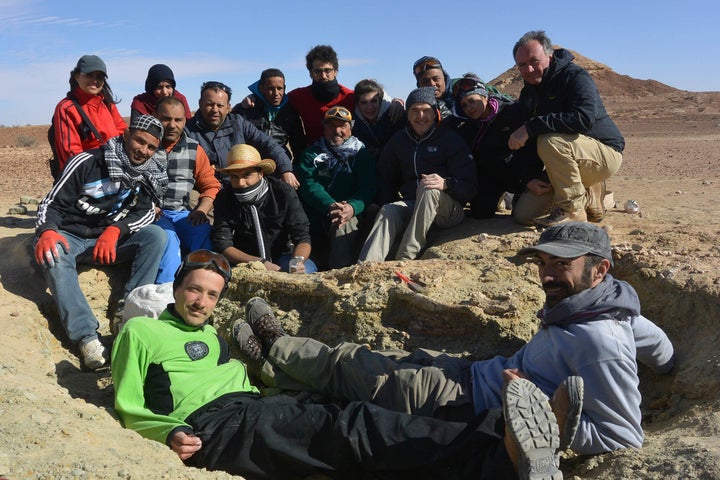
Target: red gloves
point(106, 245)
point(46, 248)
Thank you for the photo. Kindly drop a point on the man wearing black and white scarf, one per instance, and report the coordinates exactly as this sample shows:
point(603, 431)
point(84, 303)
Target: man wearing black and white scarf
point(101, 211)
point(258, 217)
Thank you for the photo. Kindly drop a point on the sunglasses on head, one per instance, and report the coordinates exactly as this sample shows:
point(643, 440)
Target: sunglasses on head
point(207, 258)
point(214, 85)
point(339, 113)
point(464, 85)
point(425, 65)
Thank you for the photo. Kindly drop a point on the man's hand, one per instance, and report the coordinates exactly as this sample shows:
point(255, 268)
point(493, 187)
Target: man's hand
point(518, 138)
point(185, 445)
point(340, 213)
point(432, 181)
point(512, 374)
point(290, 179)
point(198, 217)
point(248, 102)
point(270, 266)
point(46, 249)
point(539, 187)
point(106, 246)
point(396, 109)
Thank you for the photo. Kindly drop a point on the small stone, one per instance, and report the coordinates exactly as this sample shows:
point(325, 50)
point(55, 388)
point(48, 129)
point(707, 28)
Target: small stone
point(17, 210)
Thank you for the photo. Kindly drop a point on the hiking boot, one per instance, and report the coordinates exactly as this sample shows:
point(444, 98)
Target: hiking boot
point(595, 208)
point(566, 403)
point(250, 345)
point(533, 431)
point(263, 322)
point(559, 215)
point(93, 354)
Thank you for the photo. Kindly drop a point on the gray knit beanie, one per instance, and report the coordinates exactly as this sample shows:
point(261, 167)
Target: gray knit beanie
point(421, 95)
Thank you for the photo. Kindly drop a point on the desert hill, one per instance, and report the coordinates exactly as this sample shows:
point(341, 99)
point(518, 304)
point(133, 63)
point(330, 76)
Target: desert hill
point(58, 417)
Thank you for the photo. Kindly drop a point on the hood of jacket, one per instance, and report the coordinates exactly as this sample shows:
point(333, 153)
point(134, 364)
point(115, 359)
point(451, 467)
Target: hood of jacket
point(561, 59)
point(255, 89)
point(611, 298)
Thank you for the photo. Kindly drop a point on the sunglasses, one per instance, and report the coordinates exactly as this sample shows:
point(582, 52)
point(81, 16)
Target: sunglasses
point(464, 85)
point(206, 258)
point(213, 85)
point(425, 65)
point(339, 113)
point(319, 71)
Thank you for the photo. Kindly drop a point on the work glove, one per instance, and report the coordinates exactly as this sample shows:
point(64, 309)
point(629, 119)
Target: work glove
point(46, 251)
point(106, 246)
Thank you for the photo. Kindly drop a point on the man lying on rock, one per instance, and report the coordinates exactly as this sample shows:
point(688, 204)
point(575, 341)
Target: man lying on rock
point(591, 334)
point(175, 383)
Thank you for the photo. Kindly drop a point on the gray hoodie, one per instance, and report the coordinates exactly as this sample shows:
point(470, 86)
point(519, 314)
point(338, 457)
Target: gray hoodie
point(596, 334)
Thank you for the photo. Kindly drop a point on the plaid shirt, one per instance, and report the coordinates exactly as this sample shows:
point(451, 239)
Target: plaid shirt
point(187, 164)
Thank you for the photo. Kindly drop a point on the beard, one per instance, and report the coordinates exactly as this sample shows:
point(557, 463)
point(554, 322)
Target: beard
point(557, 291)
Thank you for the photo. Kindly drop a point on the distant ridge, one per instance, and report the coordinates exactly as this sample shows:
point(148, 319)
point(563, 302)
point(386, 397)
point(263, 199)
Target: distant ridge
point(608, 82)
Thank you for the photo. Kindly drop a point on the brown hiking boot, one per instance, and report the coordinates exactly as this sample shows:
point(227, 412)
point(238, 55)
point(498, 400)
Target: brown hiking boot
point(263, 322)
point(558, 215)
point(595, 208)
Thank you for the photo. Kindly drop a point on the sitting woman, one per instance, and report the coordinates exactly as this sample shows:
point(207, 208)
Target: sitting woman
point(90, 100)
point(160, 82)
point(486, 118)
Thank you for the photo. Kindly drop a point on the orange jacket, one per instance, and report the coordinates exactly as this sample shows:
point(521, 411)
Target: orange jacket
point(67, 120)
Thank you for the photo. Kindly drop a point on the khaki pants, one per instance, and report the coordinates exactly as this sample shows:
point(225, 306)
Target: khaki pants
point(432, 207)
point(573, 162)
point(418, 383)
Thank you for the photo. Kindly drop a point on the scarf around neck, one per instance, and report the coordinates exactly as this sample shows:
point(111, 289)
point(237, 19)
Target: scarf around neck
point(152, 173)
point(250, 199)
point(325, 91)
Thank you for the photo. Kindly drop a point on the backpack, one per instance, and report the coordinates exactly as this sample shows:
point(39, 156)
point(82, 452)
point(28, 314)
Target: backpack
point(85, 128)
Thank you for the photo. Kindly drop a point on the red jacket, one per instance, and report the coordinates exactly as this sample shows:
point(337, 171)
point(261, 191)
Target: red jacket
point(145, 104)
point(312, 111)
point(67, 120)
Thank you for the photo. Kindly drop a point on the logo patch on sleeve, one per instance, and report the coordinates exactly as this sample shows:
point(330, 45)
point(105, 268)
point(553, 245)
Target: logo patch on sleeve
point(197, 350)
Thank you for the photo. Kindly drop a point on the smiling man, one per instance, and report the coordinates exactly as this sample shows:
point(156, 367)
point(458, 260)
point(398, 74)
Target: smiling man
point(566, 125)
point(100, 212)
point(272, 114)
point(427, 175)
point(338, 183)
point(188, 168)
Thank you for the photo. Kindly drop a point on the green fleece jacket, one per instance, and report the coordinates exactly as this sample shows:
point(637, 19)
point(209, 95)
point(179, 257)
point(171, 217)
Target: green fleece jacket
point(163, 370)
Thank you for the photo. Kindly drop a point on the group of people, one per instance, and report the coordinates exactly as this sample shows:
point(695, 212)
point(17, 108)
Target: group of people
point(362, 177)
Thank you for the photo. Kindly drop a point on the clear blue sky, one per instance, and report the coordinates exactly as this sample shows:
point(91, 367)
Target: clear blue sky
point(232, 41)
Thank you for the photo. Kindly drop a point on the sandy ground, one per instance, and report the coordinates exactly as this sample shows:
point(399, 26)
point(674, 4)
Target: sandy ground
point(58, 420)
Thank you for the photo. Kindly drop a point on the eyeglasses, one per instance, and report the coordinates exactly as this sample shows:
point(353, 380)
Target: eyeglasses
point(339, 113)
point(213, 85)
point(319, 71)
point(425, 64)
point(205, 258)
point(467, 84)
point(99, 76)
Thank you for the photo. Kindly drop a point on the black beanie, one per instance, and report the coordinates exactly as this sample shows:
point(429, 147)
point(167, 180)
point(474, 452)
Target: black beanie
point(421, 95)
point(158, 73)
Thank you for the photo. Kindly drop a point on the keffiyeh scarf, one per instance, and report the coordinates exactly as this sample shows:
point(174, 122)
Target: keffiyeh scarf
point(152, 174)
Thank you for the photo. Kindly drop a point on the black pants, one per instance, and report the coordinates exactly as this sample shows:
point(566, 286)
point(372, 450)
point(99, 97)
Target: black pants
point(280, 438)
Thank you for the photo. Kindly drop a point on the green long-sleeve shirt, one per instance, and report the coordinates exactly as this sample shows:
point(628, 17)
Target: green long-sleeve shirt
point(163, 370)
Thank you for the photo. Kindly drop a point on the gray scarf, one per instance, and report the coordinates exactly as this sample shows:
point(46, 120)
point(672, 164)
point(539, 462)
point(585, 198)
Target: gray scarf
point(152, 174)
point(250, 198)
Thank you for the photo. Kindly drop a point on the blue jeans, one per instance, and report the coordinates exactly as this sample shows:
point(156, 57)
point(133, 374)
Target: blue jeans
point(284, 263)
point(143, 248)
point(183, 237)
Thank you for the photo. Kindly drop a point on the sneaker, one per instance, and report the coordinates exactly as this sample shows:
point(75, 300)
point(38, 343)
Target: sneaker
point(263, 322)
point(533, 429)
point(567, 403)
point(558, 215)
point(250, 345)
point(93, 354)
point(595, 208)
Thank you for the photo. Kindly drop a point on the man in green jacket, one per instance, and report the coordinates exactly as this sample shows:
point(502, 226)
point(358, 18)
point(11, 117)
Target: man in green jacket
point(337, 184)
point(175, 383)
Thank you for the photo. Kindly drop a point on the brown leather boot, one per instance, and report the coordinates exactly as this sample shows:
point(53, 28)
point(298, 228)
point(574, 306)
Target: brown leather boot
point(595, 208)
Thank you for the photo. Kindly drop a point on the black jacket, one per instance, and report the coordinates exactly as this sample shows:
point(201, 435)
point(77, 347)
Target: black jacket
point(567, 101)
point(286, 129)
point(282, 217)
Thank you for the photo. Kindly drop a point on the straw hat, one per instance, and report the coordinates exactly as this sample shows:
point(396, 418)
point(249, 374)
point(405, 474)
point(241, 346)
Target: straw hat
point(243, 157)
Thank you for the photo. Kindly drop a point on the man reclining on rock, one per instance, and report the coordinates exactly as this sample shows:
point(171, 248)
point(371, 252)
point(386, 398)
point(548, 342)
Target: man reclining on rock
point(591, 330)
point(175, 383)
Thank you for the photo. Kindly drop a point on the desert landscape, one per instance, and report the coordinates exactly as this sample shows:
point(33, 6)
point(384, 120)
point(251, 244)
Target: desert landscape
point(479, 301)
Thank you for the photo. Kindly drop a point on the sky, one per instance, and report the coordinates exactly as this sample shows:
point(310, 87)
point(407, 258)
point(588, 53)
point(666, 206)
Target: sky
point(233, 41)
